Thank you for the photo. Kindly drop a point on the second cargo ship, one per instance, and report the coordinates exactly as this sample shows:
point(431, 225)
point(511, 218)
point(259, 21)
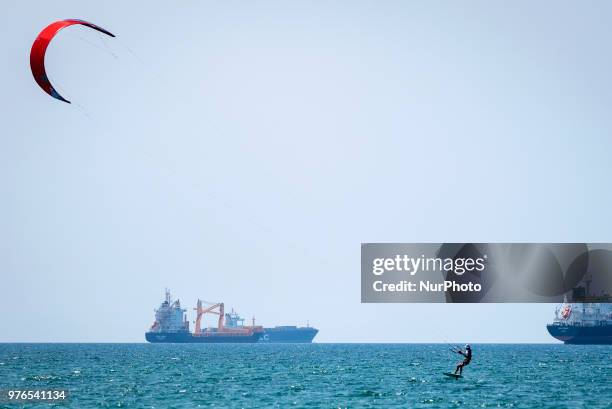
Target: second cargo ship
point(588, 321)
point(279, 334)
point(171, 326)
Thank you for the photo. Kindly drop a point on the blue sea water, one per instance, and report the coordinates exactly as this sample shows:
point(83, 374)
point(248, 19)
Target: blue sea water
point(309, 375)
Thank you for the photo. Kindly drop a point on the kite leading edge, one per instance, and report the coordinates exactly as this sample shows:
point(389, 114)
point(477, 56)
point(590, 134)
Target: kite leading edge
point(39, 48)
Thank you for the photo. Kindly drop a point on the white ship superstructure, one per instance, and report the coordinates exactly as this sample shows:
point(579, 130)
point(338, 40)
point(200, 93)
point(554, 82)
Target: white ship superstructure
point(170, 317)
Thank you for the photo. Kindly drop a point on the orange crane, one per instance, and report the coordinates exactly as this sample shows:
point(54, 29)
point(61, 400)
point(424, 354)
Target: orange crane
point(201, 311)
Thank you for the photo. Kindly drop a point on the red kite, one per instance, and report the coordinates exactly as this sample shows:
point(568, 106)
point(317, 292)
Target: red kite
point(39, 48)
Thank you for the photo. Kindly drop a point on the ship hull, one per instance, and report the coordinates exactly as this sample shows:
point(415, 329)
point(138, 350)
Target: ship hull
point(188, 338)
point(574, 334)
point(291, 335)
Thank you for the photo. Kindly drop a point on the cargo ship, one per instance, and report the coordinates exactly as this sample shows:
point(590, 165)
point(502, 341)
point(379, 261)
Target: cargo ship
point(586, 322)
point(172, 326)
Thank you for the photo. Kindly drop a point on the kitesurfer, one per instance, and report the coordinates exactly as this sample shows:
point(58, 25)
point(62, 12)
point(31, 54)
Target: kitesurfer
point(467, 354)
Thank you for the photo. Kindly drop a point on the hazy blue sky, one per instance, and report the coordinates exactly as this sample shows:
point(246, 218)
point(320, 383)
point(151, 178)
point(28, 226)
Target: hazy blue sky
point(242, 151)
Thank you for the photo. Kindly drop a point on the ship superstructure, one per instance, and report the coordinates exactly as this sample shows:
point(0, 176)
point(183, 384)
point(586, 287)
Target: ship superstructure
point(170, 317)
point(588, 322)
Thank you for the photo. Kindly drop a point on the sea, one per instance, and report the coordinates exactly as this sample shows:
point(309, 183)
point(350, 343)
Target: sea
point(308, 375)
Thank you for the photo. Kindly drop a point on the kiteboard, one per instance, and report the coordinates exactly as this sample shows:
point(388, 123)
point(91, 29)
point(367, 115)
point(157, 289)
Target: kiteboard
point(452, 375)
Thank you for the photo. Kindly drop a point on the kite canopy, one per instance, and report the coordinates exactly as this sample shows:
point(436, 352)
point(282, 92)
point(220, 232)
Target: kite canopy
point(39, 48)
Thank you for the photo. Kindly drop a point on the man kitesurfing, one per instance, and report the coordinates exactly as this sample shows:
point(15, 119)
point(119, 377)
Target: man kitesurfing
point(466, 361)
point(467, 358)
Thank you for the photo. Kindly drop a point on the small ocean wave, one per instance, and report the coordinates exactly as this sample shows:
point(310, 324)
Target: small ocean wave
point(42, 378)
point(368, 393)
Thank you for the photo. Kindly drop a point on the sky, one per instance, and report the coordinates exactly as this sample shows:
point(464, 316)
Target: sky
point(242, 152)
